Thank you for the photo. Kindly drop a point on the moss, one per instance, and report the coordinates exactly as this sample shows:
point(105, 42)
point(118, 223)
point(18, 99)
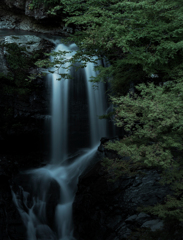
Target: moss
point(47, 3)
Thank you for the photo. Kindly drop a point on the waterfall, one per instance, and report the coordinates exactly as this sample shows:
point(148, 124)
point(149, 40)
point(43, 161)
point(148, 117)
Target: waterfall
point(48, 216)
point(114, 131)
point(97, 106)
point(60, 112)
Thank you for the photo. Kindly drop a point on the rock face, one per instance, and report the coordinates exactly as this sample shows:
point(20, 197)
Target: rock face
point(22, 128)
point(23, 5)
point(15, 4)
point(78, 132)
point(31, 43)
point(16, 14)
point(11, 225)
point(3, 67)
point(105, 210)
point(24, 105)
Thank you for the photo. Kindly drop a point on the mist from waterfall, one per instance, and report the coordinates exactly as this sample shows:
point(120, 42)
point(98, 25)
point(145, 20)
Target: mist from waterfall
point(49, 215)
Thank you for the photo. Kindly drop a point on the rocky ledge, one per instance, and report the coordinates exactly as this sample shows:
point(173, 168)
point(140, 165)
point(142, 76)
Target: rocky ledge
point(16, 14)
point(106, 210)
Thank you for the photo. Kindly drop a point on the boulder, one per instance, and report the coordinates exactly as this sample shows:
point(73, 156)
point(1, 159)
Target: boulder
point(30, 42)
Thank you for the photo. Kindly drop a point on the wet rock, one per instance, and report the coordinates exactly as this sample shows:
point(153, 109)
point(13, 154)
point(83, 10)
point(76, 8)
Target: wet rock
point(39, 13)
point(30, 42)
point(153, 224)
point(22, 116)
point(78, 106)
point(108, 210)
point(3, 67)
point(11, 225)
point(23, 5)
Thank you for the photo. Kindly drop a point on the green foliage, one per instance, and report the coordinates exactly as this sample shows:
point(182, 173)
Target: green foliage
point(36, 3)
point(153, 123)
point(139, 38)
point(172, 230)
point(107, 116)
point(15, 84)
point(19, 63)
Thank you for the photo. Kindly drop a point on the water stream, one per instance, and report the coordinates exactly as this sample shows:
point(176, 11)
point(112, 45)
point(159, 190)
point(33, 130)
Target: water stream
point(49, 215)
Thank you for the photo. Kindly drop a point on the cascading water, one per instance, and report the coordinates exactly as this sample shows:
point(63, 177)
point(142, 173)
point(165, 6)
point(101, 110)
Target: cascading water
point(97, 106)
point(49, 215)
point(60, 112)
point(114, 130)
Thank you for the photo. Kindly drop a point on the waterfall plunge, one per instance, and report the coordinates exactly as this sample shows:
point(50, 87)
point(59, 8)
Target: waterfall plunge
point(55, 184)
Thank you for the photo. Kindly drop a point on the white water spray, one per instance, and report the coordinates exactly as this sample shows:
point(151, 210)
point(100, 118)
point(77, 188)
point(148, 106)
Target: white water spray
point(50, 215)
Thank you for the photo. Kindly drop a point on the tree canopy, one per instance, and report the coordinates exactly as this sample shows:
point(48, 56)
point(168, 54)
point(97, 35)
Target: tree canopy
point(140, 38)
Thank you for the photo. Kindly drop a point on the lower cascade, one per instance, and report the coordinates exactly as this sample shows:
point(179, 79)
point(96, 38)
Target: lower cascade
point(48, 215)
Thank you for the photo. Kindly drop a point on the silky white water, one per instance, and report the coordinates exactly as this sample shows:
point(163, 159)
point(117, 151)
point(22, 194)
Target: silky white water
point(50, 215)
point(60, 112)
point(97, 106)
